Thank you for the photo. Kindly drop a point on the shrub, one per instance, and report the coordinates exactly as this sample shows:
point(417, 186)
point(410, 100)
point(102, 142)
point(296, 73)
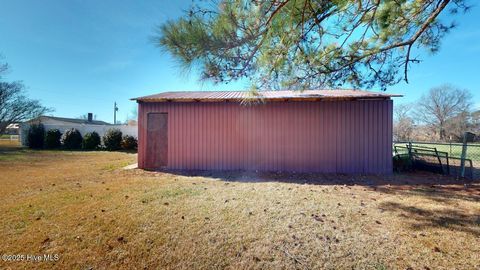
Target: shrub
point(52, 138)
point(72, 139)
point(36, 136)
point(112, 139)
point(129, 142)
point(91, 141)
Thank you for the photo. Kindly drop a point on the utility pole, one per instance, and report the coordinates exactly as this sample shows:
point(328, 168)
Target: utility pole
point(115, 109)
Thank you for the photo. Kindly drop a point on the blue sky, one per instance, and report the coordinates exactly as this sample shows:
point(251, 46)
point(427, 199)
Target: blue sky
point(81, 56)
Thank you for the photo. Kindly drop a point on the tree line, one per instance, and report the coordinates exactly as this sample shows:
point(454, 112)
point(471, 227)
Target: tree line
point(444, 113)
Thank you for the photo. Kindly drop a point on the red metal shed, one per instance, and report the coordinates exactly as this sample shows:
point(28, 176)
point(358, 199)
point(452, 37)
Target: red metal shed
point(330, 131)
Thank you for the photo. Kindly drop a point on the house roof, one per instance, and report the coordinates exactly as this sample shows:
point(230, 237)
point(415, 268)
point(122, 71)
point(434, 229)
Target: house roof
point(281, 95)
point(13, 125)
point(70, 120)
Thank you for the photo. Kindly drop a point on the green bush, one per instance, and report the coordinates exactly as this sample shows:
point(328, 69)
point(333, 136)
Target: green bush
point(91, 141)
point(129, 142)
point(52, 139)
point(112, 139)
point(72, 139)
point(36, 136)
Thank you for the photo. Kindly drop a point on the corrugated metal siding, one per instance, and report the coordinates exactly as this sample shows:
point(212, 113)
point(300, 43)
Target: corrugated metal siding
point(331, 137)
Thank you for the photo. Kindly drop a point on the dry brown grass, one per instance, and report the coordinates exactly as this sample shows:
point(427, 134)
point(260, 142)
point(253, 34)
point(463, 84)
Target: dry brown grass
point(84, 207)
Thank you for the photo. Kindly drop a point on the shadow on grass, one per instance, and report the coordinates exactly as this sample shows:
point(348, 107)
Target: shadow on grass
point(422, 219)
point(437, 193)
point(11, 151)
point(10, 146)
point(397, 179)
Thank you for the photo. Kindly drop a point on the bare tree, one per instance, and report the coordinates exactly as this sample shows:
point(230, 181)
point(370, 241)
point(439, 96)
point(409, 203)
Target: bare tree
point(458, 125)
point(15, 106)
point(476, 122)
point(403, 122)
point(441, 105)
point(132, 116)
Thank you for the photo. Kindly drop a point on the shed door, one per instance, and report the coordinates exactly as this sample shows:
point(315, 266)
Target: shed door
point(157, 140)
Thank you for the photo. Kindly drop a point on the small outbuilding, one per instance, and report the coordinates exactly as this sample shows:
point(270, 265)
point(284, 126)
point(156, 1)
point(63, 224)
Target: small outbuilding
point(327, 131)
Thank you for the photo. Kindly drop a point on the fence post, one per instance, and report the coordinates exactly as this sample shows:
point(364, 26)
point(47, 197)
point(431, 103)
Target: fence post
point(466, 137)
point(464, 155)
point(409, 148)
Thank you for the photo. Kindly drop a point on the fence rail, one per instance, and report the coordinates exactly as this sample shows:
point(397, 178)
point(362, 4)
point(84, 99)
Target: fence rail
point(454, 151)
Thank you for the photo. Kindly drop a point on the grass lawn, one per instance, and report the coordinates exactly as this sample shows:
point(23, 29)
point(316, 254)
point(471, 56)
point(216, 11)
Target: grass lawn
point(5, 136)
point(94, 215)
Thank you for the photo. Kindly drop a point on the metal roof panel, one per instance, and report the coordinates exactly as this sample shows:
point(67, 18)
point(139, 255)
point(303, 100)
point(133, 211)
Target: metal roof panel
point(205, 96)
